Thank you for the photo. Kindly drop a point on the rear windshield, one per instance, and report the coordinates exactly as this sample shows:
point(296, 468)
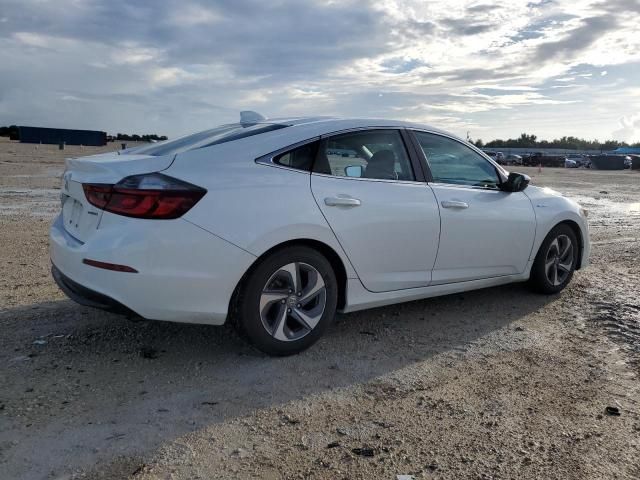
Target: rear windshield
point(221, 134)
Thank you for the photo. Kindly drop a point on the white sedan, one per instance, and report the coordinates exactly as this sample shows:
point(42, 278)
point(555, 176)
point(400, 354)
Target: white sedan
point(278, 224)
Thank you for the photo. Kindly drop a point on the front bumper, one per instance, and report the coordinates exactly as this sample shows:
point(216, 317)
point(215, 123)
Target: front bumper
point(185, 274)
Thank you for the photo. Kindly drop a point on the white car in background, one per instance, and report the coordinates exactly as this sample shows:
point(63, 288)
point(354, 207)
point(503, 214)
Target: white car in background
point(278, 224)
point(568, 163)
point(580, 159)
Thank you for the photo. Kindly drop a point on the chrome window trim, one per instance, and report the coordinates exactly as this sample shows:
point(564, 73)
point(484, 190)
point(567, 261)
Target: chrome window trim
point(383, 180)
point(468, 187)
point(358, 129)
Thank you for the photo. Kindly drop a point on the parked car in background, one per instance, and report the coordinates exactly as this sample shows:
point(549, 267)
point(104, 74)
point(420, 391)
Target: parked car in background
point(628, 162)
point(277, 224)
point(496, 156)
point(491, 154)
point(568, 163)
point(513, 159)
point(580, 159)
point(539, 159)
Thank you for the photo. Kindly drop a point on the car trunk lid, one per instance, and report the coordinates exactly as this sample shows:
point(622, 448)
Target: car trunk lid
point(79, 217)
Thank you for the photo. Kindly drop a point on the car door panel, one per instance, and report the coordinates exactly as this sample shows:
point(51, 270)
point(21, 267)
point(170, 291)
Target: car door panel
point(492, 236)
point(485, 232)
point(389, 230)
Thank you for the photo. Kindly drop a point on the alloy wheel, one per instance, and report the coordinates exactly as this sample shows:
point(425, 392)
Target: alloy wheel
point(292, 301)
point(559, 260)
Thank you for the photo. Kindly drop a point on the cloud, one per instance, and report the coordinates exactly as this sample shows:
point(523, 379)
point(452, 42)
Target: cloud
point(462, 26)
point(577, 40)
point(402, 65)
point(195, 15)
point(181, 65)
point(483, 8)
point(629, 130)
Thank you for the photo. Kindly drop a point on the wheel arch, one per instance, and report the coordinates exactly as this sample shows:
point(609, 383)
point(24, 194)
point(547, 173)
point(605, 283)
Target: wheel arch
point(328, 252)
point(578, 233)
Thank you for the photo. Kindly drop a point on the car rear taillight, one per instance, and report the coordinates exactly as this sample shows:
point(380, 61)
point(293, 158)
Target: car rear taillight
point(98, 195)
point(152, 195)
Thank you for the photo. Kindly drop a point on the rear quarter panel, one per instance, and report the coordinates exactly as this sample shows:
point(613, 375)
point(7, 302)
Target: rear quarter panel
point(253, 206)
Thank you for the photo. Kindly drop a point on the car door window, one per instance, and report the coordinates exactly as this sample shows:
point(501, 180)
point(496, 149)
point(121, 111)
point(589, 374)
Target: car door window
point(373, 154)
point(451, 161)
point(300, 158)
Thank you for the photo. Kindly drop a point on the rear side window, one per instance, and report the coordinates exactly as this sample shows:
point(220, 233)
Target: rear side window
point(215, 136)
point(300, 158)
point(373, 154)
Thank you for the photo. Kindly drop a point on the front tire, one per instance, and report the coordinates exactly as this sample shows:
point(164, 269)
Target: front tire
point(288, 301)
point(556, 260)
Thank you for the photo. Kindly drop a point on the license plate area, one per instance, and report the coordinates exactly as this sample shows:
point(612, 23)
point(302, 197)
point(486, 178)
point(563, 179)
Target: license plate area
point(71, 213)
point(79, 217)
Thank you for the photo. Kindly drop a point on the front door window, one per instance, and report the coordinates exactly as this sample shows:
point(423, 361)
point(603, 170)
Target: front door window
point(451, 161)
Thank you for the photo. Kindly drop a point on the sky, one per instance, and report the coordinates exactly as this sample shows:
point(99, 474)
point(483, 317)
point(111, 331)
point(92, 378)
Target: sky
point(491, 68)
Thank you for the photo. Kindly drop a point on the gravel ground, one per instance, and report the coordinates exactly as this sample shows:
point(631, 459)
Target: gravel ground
point(498, 383)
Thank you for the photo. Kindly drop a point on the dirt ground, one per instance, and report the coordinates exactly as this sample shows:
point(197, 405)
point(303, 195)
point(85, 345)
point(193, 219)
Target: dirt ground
point(500, 383)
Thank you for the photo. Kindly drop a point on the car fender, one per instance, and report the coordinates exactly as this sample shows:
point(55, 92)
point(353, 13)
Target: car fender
point(551, 208)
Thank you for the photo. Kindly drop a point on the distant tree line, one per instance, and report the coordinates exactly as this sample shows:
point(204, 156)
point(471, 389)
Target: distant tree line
point(10, 131)
point(13, 133)
point(569, 143)
point(137, 138)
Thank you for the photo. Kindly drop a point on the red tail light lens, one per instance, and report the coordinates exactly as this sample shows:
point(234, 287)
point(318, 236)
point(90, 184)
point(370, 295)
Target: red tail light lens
point(98, 195)
point(153, 196)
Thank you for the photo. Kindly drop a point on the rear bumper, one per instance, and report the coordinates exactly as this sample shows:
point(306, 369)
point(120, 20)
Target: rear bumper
point(87, 297)
point(185, 274)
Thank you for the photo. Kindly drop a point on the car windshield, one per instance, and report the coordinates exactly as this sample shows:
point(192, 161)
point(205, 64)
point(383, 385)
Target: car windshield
point(221, 134)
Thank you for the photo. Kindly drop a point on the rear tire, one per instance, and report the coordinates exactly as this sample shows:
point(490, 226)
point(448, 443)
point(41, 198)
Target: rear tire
point(556, 260)
point(287, 301)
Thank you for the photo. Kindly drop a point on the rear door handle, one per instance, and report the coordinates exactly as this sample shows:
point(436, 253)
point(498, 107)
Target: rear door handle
point(453, 204)
point(342, 202)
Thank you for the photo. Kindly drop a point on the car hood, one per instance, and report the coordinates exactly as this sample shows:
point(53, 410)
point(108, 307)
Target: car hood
point(550, 198)
point(533, 191)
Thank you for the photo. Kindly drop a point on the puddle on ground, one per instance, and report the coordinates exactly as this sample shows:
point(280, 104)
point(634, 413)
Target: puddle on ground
point(606, 215)
point(605, 204)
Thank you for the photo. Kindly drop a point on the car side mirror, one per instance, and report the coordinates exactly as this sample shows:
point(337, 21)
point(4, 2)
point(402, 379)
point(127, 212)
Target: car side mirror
point(516, 182)
point(354, 171)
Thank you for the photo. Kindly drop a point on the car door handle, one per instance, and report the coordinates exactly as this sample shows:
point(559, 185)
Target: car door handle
point(342, 202)
point(453, 204)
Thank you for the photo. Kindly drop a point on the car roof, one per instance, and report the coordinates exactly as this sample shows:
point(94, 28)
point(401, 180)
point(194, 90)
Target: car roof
point(331, 124)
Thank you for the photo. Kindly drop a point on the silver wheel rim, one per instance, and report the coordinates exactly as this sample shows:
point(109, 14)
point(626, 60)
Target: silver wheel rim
point(559, 260)
point(292, 301)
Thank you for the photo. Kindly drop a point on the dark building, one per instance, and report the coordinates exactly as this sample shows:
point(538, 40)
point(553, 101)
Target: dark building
point(58, 135)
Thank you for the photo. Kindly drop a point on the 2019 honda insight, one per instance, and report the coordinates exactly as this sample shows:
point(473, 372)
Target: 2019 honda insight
point(278, 224)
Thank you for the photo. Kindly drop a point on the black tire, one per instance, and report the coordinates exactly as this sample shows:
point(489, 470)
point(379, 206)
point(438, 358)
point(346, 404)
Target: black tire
point(249, 319)
point(541, 272)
